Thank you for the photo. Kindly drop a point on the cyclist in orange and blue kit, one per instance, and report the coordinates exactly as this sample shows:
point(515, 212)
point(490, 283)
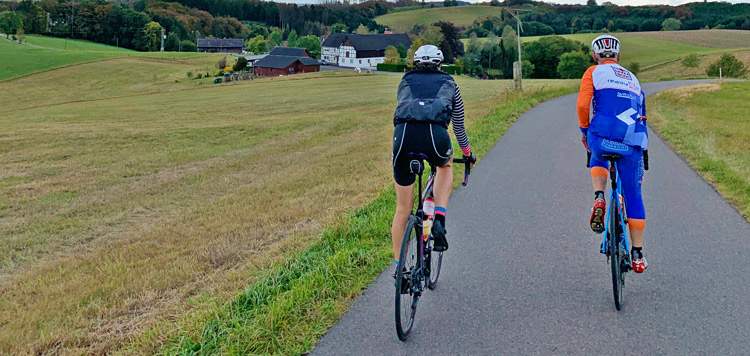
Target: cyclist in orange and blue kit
point(618, 126)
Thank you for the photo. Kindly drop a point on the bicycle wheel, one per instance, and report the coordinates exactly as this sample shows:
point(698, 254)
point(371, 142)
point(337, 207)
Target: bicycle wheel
point(435, 262)
point(615, 256)
point(408, 272)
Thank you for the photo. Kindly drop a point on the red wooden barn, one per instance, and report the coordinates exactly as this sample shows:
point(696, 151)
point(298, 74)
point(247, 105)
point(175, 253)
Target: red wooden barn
point(275, 65)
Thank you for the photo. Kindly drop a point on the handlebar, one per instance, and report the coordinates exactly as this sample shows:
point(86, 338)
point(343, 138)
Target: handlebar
point(467, 161)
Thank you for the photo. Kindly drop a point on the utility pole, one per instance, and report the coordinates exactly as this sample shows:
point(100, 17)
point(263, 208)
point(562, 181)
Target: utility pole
point(518, 67)
point(163, 37)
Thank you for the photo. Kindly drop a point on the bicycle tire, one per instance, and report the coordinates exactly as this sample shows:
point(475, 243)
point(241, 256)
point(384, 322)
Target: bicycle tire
point(406, 304)
point(615, 256)
point(435, 262)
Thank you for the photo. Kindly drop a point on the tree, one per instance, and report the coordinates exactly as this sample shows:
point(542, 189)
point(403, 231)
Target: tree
point(649, 25)
point(671, 24)
point(391, 55)
point(149, 38)
point(257, 44)
point(188, 46)
point(730, 67)
point(240, 64)
point(495, 3)
point(311, 43)
point(362, 30)
point(573, 64)
point(402, 50)
point(275, 39)
point(433, 36)
point(451, 45)
point(10, 22)
point(222, 63)
point(339, 27)
point(471, 66)
point(545, 54)
point(172, 43)
point(691, 61)
point(291, 40)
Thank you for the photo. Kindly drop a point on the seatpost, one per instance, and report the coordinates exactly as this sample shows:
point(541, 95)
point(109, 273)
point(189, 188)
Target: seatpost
point(420, 213)
point(612, 174)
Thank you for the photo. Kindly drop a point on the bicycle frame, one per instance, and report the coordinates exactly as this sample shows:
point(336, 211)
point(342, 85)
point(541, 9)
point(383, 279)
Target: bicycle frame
point(423, 194)
point(615, 205)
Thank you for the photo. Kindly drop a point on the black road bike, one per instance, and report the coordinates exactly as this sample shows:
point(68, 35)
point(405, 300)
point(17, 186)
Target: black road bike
point(418, 265)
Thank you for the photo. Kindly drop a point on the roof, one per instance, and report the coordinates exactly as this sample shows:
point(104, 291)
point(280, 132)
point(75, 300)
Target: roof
point(221, 42)
point(378, 42)
point(274, 61)
point(255, 57)
point(309, 61)
point(289, 51)
point(334, 40)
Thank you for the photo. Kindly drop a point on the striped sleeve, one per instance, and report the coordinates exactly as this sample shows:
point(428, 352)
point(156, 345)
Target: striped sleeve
point(458, 123)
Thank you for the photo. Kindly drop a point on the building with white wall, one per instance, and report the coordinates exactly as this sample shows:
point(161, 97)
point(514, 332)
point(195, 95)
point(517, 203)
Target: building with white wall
point(359, 51)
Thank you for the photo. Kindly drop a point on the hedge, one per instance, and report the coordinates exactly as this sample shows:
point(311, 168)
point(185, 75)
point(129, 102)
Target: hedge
point(388, 67)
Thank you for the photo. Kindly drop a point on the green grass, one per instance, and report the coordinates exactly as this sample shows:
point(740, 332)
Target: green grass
point(132, 196)
point(709, 126)
point(71, 45)
point(459, 15)
point(18, 60)
point(297, 301)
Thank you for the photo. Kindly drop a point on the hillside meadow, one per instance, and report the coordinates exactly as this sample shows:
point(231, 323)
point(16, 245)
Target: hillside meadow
point(19, 59)
point(131, 196)
point(708, 125)
point(460, 16)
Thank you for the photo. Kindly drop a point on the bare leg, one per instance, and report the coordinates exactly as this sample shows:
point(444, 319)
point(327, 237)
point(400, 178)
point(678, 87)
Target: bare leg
point(443, 184)
point(599, 183)
point(637, 237)
point(404, 204)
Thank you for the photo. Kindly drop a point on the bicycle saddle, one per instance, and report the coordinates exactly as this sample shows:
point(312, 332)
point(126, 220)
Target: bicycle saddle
point(611, 156)
point(416, 166)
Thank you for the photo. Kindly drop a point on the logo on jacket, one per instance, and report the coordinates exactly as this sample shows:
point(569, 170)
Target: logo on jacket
point(622, 73)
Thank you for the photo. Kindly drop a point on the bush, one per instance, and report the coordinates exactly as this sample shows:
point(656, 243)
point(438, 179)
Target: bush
point(691, 61)
point(199, 76)
point(634, 67)
point(730, 67)
point(388, 67)
point(671, 24)
point(188, 46)
point(241, 64)
point(573, 65)
point(189, 75)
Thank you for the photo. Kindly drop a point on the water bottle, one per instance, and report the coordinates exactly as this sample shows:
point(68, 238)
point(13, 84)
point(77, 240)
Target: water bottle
point(429, 214)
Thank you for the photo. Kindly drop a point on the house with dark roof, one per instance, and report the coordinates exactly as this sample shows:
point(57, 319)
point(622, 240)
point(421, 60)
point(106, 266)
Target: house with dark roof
point(220, 45)
point(289, 51)
point(360, 51)
point(275, 65)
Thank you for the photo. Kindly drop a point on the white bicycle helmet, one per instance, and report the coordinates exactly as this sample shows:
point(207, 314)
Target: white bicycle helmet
point(606, 46)
point(428, 55)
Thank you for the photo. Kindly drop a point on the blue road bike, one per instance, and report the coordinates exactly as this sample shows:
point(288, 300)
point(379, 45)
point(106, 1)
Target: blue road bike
point(616, 242)
point(419, 264)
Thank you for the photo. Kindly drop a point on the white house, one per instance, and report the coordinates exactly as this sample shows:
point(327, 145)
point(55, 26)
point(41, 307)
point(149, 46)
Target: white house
point(359, 51)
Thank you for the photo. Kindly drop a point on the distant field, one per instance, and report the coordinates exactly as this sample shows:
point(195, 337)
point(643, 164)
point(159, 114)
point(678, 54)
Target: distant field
point(131, 195)
point(459, 15)
point(709, 126)
point(77, 45)
point(20, 59)
point(658, 53)
point(675, 69)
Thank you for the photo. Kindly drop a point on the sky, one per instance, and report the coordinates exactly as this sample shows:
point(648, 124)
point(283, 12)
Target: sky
point(636, 2)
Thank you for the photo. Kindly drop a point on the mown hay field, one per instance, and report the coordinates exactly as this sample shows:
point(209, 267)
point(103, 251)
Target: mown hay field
point(130, 199)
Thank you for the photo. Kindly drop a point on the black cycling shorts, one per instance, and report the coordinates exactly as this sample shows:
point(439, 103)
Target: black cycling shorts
point(414, 138)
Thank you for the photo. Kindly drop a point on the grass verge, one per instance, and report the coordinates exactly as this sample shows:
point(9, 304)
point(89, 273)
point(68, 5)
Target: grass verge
point(708, 125)
point(288, 309)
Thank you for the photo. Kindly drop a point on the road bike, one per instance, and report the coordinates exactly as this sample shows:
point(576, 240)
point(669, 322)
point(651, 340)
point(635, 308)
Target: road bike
point(616, 242)
point(418, 265)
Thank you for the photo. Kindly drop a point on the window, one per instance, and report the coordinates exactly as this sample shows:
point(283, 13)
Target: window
point(360, 61)
point(351, 61)
point(347, 54)
point(291, 69)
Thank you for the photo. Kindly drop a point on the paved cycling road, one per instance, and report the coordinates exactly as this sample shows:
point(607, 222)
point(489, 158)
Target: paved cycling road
point(523, 274)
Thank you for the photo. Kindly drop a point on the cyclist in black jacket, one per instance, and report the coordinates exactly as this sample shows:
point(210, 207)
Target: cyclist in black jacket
point(428, 99)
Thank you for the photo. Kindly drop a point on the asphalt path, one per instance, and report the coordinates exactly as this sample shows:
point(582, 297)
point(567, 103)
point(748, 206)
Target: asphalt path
point(524, 276)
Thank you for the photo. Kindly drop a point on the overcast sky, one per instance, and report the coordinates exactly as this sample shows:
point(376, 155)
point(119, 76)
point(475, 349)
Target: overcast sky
point(634, 2)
